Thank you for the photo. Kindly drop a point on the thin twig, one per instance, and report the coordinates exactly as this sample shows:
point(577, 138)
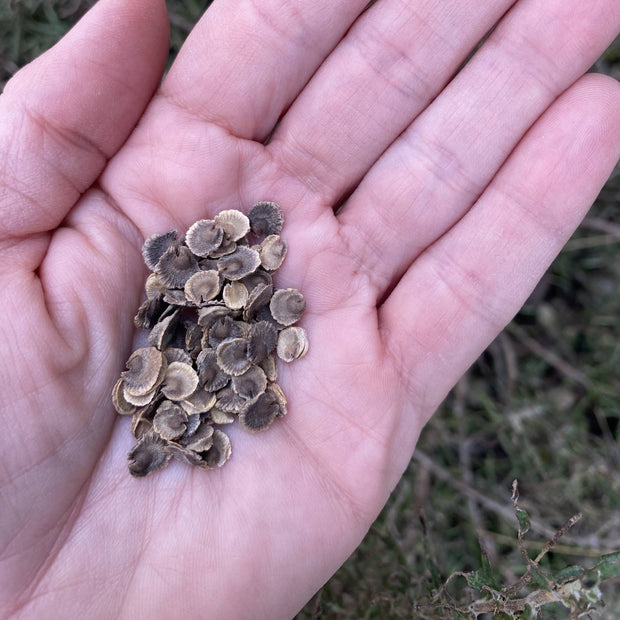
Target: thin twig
point(549, 356)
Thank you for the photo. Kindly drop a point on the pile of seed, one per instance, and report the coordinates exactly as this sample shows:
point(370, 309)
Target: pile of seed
point(216, 325)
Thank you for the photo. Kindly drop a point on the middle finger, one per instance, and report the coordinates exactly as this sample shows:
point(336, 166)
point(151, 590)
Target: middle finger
point(389, 67)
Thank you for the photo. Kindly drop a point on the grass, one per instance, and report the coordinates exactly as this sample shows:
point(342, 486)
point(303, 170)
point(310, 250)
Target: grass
point(540, 406)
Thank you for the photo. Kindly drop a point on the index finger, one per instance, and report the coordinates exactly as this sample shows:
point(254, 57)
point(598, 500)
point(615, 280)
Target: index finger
point(246, 61)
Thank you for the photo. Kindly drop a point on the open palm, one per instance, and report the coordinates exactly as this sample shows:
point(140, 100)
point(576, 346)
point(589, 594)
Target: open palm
point(420, 212)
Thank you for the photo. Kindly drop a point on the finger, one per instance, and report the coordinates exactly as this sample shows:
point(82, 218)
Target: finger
point(392, 63)
point(451, 152)
point(464, 288)
point(245, 61)
point(72, 108)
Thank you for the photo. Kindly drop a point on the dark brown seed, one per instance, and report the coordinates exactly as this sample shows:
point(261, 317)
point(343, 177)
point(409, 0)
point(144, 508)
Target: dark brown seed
point(176, 265)
point(265, 218)
point(259, 414)
point(148, 455)
point(156, 245)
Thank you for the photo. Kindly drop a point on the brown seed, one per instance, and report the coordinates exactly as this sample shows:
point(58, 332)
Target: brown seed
point(259, 414)
point(234, 223)
point(266, 218)
point(201, 440)
point(139, 401)
point(217, 416)
point(210, 375)
point(170, 420)
point(235, 295)
point(149, 454)
point(224, 328)
point(287, 305)
point(180, 381)
point(202, 287)
point(154, 287)
point(239, 264)
point(261, 341)
point(292, 344)
point(260, 276)
point(232, 357)
point(203, 237)
point(176, 354)
point(250, 384)
point(143, 372)
point(258, 298)
point(229, 401)
point(219, 452)
point(162, 333)
point(228, 246)
point(156, 245)
point(272, 252)
point(200, 401)
point(176, 265)
point(269, 367)
point(278, 394)
point(121, 404)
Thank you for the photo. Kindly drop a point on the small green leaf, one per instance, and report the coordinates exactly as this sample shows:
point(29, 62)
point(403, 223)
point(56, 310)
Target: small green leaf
point(569, 573)
point(524, 520)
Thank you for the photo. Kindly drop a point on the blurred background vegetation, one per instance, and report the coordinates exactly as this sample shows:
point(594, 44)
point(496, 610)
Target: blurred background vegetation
point(541, 405)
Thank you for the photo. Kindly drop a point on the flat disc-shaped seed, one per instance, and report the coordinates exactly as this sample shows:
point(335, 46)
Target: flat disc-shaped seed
point(139, 401)
point(265, 218)
point(228, 246)
point(143, 371)
point(224, 328)
point(149, 313)
point(148, 455)
point(269, 367)
point(210, 375)
point(155, 246)
point(162, 333)
point(140, 424)
point(121, 404)
point(229, 401)
point(292, 344)
point(242, 262)
point(287, 305)
point(220, 451)
point(218, 416)
point(260, 276)
point(272, 252)
point(154, 287)
point(259, 414)
point(234, 223)
point(278, 394)
point(250, 384)
point(176, 265)
point(170, 421)
point(180, 381)
point(199, 402)
point(176, 354)
point(232, 356)
point(261, 341)
point(258, 298)
point(201, 440)
point(203, 237)
point(202, 287)
point(235, 295)
point(185, 455)
point(209, 314)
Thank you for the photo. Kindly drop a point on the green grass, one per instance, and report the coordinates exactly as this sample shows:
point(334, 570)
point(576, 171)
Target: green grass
point(541, 405)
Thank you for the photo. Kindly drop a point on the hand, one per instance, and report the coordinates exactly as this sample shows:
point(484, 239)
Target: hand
point(458, 196)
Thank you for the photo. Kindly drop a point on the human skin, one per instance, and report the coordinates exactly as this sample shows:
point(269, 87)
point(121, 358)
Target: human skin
point(459, 194)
